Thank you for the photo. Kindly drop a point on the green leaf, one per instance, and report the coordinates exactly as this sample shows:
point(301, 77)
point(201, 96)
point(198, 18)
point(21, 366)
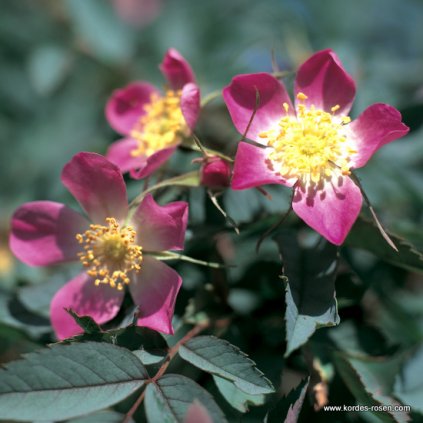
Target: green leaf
point(219, 357)
point(289, 407)
point(366, 235)
point(67, 381)
point(310, 293)
point(409, 383)
point(168, 399)
point(235, 397)
point(85, 322)
point(371, 380)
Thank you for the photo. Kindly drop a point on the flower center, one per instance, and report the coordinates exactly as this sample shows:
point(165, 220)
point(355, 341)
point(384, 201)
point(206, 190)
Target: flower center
point(110, 253)
point(162, 125)
point(310, 145)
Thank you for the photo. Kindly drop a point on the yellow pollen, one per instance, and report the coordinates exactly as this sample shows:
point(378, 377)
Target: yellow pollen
point(110, 253)
point(311, 145)
point(302, 96)
point(162, 125)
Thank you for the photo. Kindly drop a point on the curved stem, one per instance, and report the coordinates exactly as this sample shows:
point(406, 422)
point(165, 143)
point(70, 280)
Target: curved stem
point(210, 97)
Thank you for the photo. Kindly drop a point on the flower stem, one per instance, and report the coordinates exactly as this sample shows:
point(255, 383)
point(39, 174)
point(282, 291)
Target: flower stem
point(210, 97)
point(172, 352)
point(170, 255)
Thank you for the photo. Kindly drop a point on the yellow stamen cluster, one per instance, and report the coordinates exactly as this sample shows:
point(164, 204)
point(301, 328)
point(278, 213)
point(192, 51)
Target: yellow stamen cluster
point(110, 253)
point(311, 145)
point(162, 125)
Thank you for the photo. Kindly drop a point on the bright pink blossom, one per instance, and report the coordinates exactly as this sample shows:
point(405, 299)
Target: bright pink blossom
point(153, 123)
point(313, 146)
point(215, 172)
point(113, 245)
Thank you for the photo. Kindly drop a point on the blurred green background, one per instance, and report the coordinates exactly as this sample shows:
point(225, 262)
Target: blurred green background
point(61, 59)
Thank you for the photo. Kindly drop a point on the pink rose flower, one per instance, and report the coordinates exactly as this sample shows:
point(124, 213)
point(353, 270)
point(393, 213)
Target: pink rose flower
point(215, 172)
point(153, 123)
point(112, 245)
point(313, 146)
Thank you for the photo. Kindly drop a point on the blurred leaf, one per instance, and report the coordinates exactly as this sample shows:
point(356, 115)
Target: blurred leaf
point(366, 235)
point(37, 298)
point(245, 205)
point(409, 383)
point(219, 357)
point(235, 397)
point(310, 293)
point(87, 323)
point(66, 381)
point(48, 66)
point(13, 313)
point(371, 380)
point(289, 407)
point(105, 36)
point(168, 400)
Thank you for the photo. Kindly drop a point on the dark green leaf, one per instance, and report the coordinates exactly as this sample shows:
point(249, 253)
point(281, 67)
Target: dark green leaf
point(288, 408)
point(235, 397)
point(85, 322)
point(66, 381)
point(167, 400)
point(223, 359)
point(310, 293)
point(366, 235)
point(371, 380)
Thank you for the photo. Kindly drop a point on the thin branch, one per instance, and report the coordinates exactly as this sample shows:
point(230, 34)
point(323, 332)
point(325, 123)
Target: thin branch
point(133, 409)
point(210, 97)
point(244, 135)
point(228, 218)
point(171, 255)
point(374, 215)
point(273, 228)
point(174, 350)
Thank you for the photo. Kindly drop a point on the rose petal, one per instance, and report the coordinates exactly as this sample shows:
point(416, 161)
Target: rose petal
point(241, 99)
point(325, 82)
point(190, 104)
point(126, 106)
point(161, 228)
point(101, 303)
point(98, 186)
point(375, 127)
point(119, 153)
point(330, 209)
point(152, 163)
point(176, 69)
point(154, 290)
point(252, 168)
point(43, 233)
